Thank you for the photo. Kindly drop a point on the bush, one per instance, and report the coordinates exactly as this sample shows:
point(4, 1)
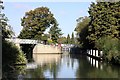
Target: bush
point(110, 47)
point(11, 54)
point(50, 41)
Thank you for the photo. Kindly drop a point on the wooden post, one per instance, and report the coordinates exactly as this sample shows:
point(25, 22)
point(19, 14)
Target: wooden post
point(93, 52)
point(97, 53)
point(101, 53)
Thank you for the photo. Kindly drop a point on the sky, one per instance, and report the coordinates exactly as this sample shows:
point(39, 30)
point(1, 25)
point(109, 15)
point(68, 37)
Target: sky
point(65, 13)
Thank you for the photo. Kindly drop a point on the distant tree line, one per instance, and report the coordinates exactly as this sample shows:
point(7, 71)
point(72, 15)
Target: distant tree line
point(70, 40)
point(101, 30)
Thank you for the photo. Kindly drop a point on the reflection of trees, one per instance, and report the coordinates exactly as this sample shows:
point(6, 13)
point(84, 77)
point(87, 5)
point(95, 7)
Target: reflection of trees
point(108, 71)
point(39, 71)
point(12, 73)
point(54, 69)
point(85, 70)
point(83, 67)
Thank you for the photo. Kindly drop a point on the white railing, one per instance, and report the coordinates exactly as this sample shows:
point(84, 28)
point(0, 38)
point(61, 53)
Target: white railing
point(22, 41)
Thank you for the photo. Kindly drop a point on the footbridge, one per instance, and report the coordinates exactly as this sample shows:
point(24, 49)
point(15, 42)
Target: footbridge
point(22, 41)
point(38, 48)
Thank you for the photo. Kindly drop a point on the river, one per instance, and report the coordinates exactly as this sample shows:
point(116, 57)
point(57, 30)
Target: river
point(68, 66)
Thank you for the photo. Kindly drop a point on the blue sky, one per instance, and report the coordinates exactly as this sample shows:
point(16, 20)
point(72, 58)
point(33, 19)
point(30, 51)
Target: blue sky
point(66, 13)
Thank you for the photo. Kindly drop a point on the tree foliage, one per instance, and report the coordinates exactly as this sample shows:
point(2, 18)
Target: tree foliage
point(4, 26)
point(68, 39)
point(55, 33)
point(35, 22)
point(11, 54)
point(62, 40)
point(72, 38)
point(104, 29)
point(105, 20)
point(82, 31)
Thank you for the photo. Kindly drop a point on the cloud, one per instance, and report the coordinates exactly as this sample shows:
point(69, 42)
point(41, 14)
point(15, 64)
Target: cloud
point(20, 5)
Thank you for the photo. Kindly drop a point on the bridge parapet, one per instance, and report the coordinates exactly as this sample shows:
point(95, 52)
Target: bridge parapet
point(22, 41)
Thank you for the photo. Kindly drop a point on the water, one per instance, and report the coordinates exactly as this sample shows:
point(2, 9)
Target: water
point(67, 66)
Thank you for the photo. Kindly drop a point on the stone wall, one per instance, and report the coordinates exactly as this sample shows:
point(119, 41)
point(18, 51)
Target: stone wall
point(40, 48)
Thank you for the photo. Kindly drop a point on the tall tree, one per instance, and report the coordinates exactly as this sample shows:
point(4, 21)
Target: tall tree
point(55, 33)
point(104, 29)
point(35, 22)
point(73, 38)
point(68, 39)
point(82, 31)
point(105, 20)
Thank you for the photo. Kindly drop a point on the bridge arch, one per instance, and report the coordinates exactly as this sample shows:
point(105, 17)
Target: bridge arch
point(26, 45)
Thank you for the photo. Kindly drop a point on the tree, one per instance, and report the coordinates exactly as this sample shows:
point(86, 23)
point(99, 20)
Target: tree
point(105, 20)
point(82, 31)
point(68, 39)
point(55, 33)
point(35, 22)
point(62, 40)
point(6, 29)
point(73, 39)
point(11, 54)
point(104, 29)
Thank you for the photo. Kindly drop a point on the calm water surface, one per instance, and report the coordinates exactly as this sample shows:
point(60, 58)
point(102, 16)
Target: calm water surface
point(69, 66)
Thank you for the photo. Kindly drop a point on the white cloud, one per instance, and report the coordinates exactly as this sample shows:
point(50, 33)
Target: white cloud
point(20, 5)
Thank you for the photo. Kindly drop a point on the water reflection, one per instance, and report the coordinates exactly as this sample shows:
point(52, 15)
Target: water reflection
point(64, 66)
point(71, 66)
point(15, 73)
point(42, 59)
point(91, 68)
point(95, 63)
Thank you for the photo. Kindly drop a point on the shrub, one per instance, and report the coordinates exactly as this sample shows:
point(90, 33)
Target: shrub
point(110, 47)
point(11, 54)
